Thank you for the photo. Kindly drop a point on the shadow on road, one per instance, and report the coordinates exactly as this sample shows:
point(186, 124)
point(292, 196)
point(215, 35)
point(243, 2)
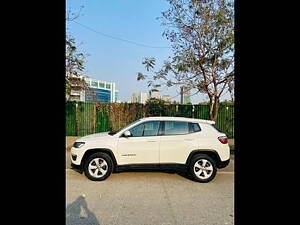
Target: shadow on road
point(169, 171)
point(78, 213)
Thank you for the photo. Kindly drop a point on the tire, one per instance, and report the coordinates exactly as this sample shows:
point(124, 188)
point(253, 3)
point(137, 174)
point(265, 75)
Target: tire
point(200, 161)
point(98, 166)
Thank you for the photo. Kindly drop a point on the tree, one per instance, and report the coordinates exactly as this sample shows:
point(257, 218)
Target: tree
point(74, 67)
point(156, 106)
point(202, 36)
point(74, 60)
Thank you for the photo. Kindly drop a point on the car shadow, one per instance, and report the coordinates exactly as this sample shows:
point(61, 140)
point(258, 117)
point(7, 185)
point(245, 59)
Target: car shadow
point(183, 174)
point(78, 213)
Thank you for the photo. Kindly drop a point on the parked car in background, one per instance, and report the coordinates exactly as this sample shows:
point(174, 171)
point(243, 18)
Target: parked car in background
point(179, 143)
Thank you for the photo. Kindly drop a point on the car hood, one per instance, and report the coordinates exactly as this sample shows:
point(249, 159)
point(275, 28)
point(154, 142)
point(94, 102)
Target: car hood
point(94, 136)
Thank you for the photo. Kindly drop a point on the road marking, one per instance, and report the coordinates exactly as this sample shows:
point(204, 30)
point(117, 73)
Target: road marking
point(228, 172)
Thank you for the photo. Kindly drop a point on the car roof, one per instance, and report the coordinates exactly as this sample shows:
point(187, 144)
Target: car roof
point(178, 119)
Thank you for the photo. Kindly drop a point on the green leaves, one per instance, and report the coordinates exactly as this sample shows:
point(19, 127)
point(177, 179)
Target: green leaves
point(149, 63)
point(140, 76)
point(202, 36)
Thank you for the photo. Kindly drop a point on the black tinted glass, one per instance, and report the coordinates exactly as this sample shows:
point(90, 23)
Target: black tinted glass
point(196, 127)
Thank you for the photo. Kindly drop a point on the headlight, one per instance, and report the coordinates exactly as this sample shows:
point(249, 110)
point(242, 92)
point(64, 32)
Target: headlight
point(78, 144)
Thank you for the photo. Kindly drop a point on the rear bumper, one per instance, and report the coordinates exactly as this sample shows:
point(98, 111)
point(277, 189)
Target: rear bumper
point(223, 164)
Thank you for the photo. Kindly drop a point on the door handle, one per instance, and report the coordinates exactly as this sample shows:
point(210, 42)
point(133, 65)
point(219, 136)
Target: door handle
point(188, 139)
point(151, 141)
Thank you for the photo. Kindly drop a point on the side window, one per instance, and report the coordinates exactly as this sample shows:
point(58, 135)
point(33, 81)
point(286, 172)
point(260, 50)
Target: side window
point(137, 131)
point(146, 129)
point(194, 127)
point(151, 128)
point(175, 127)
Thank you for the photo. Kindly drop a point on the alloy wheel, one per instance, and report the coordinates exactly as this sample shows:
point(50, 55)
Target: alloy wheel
point(203, 169)
point(98, 167)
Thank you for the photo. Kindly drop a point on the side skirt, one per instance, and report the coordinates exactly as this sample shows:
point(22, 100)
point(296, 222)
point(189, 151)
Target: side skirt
point(151, 167)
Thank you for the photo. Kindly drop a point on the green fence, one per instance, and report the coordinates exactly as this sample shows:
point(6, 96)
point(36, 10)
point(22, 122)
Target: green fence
point(83, 118)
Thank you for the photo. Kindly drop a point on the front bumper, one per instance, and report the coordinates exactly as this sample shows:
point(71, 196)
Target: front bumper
point(77, 167)
point(76, 156)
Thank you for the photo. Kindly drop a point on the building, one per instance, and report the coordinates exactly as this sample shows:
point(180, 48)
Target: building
point(185, 95)
point(117, 96)
point(141, 97)
point(96, 91)
point(134, 98)
point(154, 93)
point(101, 91)
point(166, 98)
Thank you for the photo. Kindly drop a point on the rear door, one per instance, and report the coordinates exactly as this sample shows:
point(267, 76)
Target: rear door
point(178, 139)
point(142, 147)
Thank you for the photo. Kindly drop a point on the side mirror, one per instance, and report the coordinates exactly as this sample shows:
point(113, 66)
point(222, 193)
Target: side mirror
point(127, 133)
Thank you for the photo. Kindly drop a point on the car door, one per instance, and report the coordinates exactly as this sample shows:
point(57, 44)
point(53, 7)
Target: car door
point(142, 147)
point(177, 141)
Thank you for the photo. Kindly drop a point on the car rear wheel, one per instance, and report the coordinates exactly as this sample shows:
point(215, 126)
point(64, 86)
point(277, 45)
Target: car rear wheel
point(203, 168)
point(98, 166)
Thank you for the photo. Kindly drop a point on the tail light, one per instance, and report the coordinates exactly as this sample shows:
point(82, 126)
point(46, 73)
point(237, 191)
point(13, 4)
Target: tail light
point(223, 139)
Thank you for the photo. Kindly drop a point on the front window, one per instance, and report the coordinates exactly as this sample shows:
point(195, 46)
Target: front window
point(145, 129)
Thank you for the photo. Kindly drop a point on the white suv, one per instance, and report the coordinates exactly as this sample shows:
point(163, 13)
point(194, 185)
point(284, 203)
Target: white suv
point(193, 145)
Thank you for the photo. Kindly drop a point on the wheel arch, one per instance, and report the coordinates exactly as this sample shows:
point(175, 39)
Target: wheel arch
point(89, 152)
point(211, 153)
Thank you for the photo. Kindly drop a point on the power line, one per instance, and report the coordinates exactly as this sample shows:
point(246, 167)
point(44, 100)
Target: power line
point(117, 38)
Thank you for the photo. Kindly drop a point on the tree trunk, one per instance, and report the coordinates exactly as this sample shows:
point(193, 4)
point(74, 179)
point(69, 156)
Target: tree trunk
point(214, 103)
point(211, 106)
point(76, 120)
point(216, 108)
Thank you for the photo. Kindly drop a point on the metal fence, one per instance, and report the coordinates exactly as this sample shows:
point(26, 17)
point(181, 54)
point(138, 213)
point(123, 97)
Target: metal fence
point(83, 118)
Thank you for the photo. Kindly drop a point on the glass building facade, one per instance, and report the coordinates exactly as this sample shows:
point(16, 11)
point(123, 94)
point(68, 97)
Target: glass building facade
point(100, 91)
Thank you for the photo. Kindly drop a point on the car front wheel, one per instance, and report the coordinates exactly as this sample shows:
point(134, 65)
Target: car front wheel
point(98, 166)
point(203, 168)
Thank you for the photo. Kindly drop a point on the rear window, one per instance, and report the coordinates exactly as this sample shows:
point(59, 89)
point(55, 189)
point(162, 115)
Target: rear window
point(194, 127)
point(214, 126)
point(175, 127)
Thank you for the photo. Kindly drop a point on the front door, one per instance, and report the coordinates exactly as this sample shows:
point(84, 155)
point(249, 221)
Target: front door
point(142, 147)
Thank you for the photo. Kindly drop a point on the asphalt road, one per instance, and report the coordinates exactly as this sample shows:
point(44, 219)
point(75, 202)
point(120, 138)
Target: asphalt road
point(150, 198)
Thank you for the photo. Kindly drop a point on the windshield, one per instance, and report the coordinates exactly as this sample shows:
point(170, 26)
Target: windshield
point(114, 132)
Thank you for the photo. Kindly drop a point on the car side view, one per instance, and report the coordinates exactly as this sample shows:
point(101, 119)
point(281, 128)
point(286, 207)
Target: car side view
point(178, 143)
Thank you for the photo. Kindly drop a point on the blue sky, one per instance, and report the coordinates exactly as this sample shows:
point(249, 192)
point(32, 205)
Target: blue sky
point(115, 60)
